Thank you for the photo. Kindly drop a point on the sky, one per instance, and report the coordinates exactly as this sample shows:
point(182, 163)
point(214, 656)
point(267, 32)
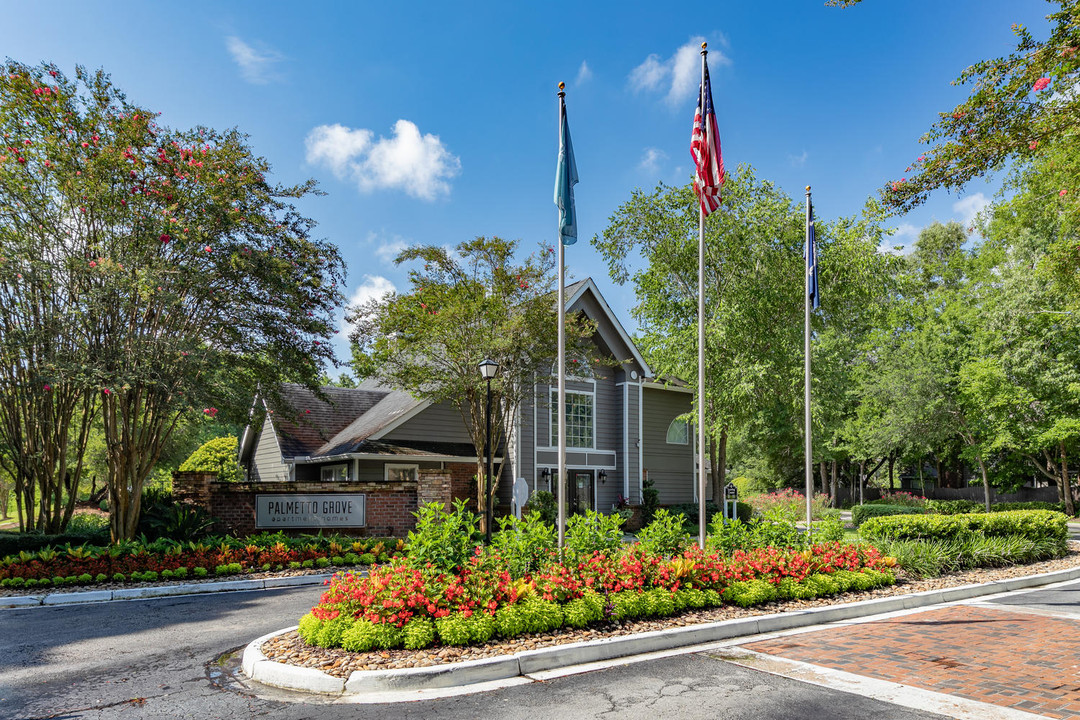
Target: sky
point(434, 123)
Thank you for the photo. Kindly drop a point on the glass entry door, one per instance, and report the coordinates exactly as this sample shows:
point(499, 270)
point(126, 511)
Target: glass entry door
point(580, 491)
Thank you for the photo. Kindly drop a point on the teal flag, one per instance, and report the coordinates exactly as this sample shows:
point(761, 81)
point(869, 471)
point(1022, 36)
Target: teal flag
point(565, 179)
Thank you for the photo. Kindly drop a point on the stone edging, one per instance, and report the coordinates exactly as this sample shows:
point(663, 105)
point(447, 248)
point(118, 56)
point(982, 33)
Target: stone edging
point(140, 593)
point(259, 668)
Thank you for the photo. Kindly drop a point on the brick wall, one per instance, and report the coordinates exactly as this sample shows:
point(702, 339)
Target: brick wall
point(434, 486)
point(389, 506)
point(462, 483)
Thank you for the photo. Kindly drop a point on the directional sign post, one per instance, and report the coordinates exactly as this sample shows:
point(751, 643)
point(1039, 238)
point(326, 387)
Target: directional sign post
point(731, 494)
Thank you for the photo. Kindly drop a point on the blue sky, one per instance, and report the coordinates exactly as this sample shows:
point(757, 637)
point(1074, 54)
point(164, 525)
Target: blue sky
point(436, 122)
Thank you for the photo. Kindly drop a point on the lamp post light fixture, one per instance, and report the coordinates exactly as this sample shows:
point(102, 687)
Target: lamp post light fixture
point(603, 476)
point(488, 370)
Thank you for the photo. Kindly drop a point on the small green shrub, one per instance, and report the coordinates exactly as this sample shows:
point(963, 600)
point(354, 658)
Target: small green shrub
point(664, 535)
point(101, 577)
point(830, 528)
point(366, 559)
point(119, 577)
point(307, 564)
point(442, 538)
point(418, 633)
point(746, 593)
point(544, 503)
point(626, 605)
point(862, 513)
point(307, 628)
point(1032, 524)
point(593, 532)
point(582, 611)
point(524, 544)
point(454, 629)
point(330, 632)
point(481, 627)
point(335, 560)
point(360, 637)
point(166, 574)
point(954, 507)
point(294, 565)
point(541, 615)
point(199, 572)
point(87, 524)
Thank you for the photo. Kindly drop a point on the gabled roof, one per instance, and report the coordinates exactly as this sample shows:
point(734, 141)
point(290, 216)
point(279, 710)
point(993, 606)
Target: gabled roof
point(318, 420)
point(576, 290)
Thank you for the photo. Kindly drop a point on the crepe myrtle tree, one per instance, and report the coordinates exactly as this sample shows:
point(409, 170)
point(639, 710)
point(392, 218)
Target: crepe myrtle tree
point(1020, 105)
point(463, 306)
point(186, 278)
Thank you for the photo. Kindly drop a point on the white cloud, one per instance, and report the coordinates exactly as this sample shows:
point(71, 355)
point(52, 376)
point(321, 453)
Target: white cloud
point(584, 74)
point(650, 160)
point(373, 287)
point(902, 241)
point(968, 208)
point(256, 66)
point(418, 164)
point(798, 160)
point(679, 75)
point(388, 248)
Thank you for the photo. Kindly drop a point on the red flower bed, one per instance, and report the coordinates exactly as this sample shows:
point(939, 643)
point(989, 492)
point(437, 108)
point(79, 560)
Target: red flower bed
point(397, 593)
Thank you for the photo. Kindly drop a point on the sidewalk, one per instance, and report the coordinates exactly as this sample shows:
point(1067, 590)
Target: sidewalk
point(1019, 652)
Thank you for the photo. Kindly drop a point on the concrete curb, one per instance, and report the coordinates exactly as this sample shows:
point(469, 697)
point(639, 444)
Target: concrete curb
point(362, 682)
point(156, 591)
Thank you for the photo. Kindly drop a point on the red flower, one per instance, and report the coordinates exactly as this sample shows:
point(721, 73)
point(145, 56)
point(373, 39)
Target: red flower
point(1033, 144)
point(1041, 84)
point(1063, 193)
point(164, 238)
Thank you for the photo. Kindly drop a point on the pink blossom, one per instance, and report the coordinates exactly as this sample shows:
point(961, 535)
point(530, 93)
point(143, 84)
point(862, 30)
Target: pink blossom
point(164, 238)
point(1041, 84)
point(93, 264)
point(1063, 193)
point(211, 411)
point(1033, 144)
point(208, 249)
point(105, 391)
point(48, 387)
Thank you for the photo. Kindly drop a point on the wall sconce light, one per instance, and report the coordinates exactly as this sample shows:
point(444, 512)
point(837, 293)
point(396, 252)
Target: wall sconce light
point(603, 476)
point(545, 474)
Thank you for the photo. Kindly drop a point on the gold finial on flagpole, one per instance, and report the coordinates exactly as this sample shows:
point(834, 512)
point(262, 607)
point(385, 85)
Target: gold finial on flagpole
point(562, 86)
point(807, 189)
point(704, 45)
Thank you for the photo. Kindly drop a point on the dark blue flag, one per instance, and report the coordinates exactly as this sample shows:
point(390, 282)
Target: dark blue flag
point(810, 253)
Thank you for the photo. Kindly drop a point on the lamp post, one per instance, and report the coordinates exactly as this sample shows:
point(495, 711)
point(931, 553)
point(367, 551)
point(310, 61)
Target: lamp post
point(488, 369)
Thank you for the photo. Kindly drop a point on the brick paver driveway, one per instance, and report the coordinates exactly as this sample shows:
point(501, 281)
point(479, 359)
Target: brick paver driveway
point(1021, 653)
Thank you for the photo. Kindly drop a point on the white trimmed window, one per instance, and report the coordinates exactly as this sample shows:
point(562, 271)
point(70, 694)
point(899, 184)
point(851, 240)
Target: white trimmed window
point(334, 473)
point(678, 432)
point(580, 420)
point(401, 473)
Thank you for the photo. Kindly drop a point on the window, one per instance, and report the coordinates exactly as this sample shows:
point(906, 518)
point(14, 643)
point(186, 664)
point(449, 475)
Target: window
point(401, 473)
point(678, 432)
point(335, 473)
point(579, 420)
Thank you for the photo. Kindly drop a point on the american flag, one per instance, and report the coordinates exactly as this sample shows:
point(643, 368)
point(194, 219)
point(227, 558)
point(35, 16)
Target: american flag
point(705, 149)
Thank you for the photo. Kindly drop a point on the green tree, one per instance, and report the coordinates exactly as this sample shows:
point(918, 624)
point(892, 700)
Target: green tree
point(192, 279)
point(754, 293)
point(462, 307)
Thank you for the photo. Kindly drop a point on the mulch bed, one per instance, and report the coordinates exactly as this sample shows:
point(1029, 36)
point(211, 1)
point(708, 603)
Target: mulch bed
point(290, 649)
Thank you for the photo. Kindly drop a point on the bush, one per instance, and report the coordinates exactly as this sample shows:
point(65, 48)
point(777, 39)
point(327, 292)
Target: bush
point(1036, 525)
point(954, 507)
point(544, 503)
point(664, 535)
point(593, 532)
point(745, 593)
point(418, 633)
point(175, 520)
point(12, 543)
point(444, 539)
point(862, 513)
point(88, 524)
point(899, 497)
point(216, 456)
point(650, 501)
point(1007, 506)
point(524, 544)
point(584, 610)
point(829, 529)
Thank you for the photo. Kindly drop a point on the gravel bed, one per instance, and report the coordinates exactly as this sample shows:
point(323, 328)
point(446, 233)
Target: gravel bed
point(290, 649)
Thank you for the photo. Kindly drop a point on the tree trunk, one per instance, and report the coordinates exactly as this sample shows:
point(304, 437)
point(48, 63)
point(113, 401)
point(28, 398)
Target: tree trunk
point(834, 489)
point(892, 485)
point(862, 480)
point(822, 471)
point(1066, 484)
point(718, 458)
point(985, 482)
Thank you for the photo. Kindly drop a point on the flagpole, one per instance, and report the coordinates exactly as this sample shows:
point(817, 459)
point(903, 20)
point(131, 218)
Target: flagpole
point(561, 369)
point(806, 376)
point(701, 346)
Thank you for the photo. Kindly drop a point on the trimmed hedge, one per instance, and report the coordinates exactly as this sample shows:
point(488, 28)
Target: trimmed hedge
point(862, 513)
point(12, 543)
point(1035, 525)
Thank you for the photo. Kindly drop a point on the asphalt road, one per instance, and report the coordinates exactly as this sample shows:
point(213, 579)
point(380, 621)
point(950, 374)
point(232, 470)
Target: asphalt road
point(153, 659)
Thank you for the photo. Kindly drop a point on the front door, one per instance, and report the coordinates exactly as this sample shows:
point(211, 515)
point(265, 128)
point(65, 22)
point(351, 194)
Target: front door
point(581, 491)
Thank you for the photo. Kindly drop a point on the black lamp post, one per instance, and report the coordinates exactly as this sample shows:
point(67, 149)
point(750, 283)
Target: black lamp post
point(488, 369)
